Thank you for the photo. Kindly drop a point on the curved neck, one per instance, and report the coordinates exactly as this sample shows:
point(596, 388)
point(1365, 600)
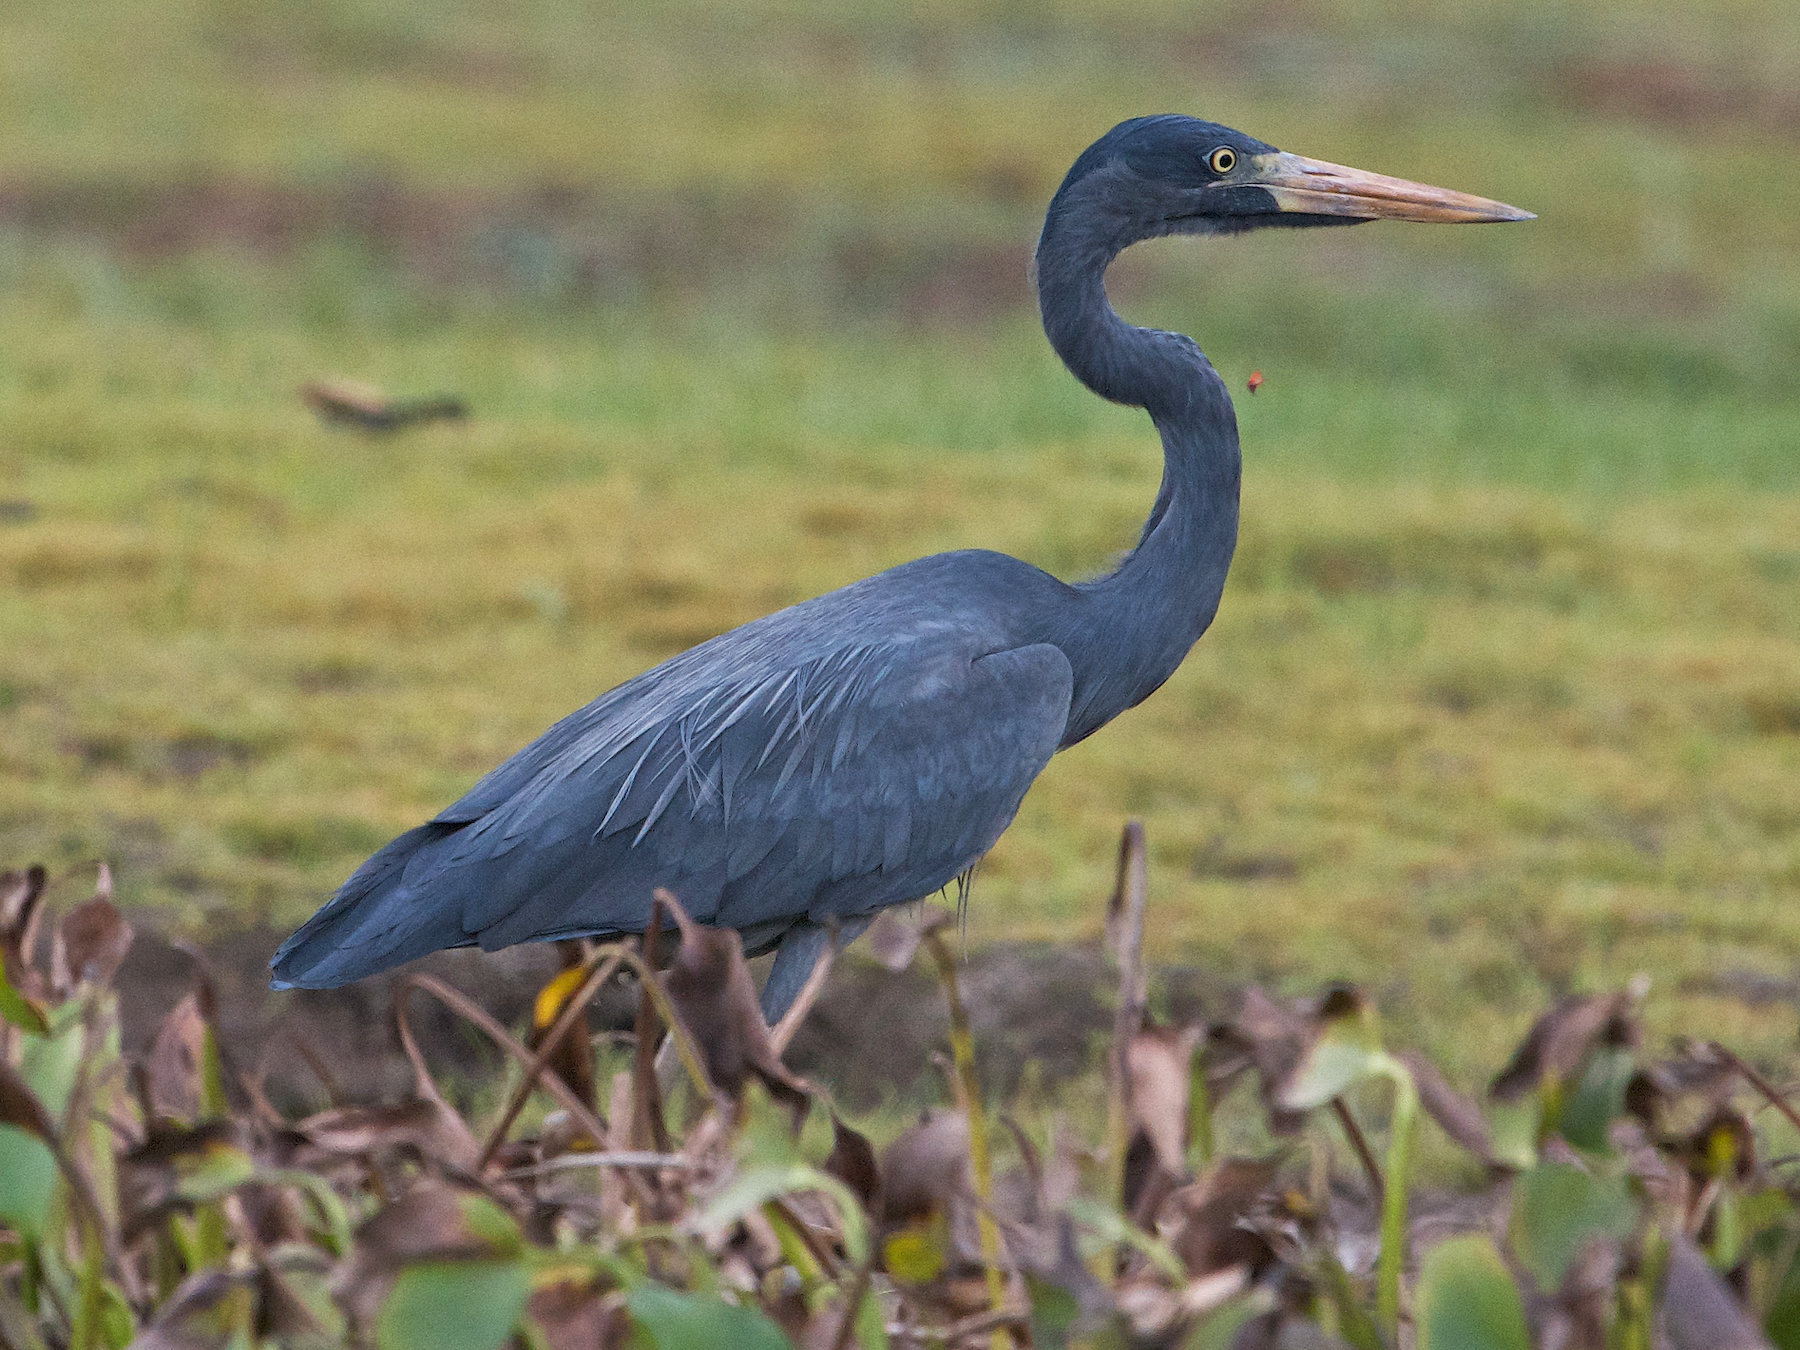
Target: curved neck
point(1146, 614)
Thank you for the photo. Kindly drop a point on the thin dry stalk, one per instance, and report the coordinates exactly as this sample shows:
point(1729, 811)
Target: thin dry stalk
point(579, 1111)
point(574, 1162)
point(1360, 1143)
point(853, 1297)
point(603, 964)
point(1125, 928)
point(1757, 1081)
point(968, 1092)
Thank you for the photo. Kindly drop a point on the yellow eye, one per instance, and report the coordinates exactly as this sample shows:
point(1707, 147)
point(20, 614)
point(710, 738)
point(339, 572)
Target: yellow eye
point(1222, 160)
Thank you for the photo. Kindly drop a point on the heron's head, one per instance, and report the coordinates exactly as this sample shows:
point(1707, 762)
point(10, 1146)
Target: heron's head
point(1178, 175)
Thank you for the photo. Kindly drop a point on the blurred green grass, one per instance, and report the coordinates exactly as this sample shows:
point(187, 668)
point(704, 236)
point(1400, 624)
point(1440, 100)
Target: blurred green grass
point(1504, 698)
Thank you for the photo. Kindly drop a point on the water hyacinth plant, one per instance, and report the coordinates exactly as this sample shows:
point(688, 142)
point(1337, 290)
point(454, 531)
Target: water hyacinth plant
point(1612, 1199)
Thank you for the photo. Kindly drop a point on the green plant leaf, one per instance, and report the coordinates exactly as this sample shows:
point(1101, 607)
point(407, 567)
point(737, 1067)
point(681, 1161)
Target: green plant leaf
point(454, 1305)
point(1115, 1228)
point(1346, 1050)
point(1466, 1299)
point(27, 1181)
point(22, 1012)
point(1218, 1329)
point(51, 1064)
point(117, 1325)
point(1597, 1099)
point(751, 1189)
point(871, 1323)
point(1517, 1127)
point(216, 1169)
point(677, 1321)
point(491, 1224)
point(1557, 1209)
point(916, 1253)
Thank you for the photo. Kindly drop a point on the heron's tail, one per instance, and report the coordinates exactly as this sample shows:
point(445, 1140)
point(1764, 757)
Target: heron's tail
point(375, 921)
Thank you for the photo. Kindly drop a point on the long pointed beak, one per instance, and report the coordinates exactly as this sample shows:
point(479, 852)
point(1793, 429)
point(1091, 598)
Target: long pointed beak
point(1314, 187)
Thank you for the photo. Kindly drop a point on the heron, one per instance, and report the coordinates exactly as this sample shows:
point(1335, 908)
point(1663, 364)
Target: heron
point(794, 776)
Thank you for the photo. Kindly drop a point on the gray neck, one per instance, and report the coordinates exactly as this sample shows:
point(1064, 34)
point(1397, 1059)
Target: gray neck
point(1137, 623)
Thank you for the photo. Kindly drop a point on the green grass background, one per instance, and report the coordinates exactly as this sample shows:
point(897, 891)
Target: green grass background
point(1504, 696)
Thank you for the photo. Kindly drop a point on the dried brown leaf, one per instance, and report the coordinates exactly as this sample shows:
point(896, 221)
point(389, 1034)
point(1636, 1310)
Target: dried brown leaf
point(711, 990)
point(578, 1316)
point(207, 1311)
point(572, 1059)
point(1205, 1223)
point(1698, 1310)
point(852, 1161)
point(1274, 1036)
point(1455, 1114)
point(172, 1071)
point(1160, 1314)
point(430, 1222)
point(1560, 1041)
point(1672, 1093)
point(91, 942)
point(150, 1175)
point(20, 1107)
point(423, 1126)
point(1723, 1145)
point(21, 910)
point(1160, 1061)
point(1576, 1317)
point(281, 1314)
point(925, 1168)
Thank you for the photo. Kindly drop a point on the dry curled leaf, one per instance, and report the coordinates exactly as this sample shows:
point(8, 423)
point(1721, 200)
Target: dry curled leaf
point(852, 1161)
point(20, 1107)
point(925, 1168)
point(1455, 1114)
point(1160, 1060)
point(174, 1163)
point(577, 1315)
point(209, 1310)
point(21, 910)
point(1698, 1310)
point(430, 1129)
point(1560, 1041)
point(572, 1058)
point(710, 987)
point(1207, 1223)
point(1274, 1036)
point(91, 941)
point(177, 1058)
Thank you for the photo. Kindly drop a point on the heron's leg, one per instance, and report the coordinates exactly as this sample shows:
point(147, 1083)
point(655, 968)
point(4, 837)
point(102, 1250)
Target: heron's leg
point(802, 948)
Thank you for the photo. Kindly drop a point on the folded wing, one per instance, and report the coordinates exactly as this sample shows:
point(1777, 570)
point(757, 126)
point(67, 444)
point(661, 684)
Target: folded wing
point(763, 792)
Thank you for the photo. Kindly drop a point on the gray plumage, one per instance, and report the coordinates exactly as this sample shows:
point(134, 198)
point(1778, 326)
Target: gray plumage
point(865, 747)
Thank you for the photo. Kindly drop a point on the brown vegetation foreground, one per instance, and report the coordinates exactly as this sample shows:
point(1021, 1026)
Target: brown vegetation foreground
point(164, 1201)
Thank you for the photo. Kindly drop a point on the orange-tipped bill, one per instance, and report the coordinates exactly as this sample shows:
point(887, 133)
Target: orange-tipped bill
point(1313, 187)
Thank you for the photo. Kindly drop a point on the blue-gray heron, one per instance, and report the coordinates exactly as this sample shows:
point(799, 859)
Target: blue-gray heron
point(868, 746)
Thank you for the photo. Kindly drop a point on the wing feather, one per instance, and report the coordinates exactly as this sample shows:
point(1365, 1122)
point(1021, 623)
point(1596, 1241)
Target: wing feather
point(761, 789)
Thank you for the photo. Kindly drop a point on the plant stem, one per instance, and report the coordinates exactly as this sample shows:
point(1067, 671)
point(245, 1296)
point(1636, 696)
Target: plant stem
point(1125, 927)
point(1393, 1201)
point(1200, 1121)
point(962, 1049)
